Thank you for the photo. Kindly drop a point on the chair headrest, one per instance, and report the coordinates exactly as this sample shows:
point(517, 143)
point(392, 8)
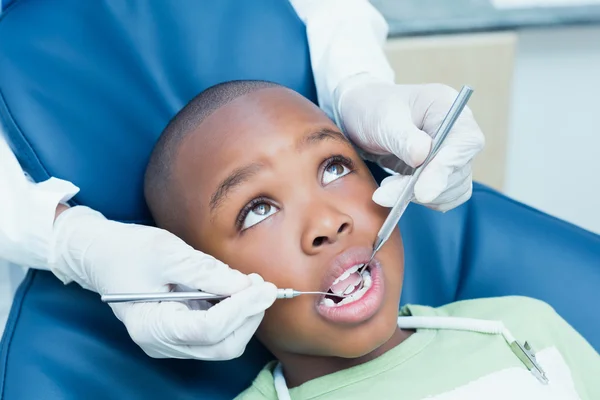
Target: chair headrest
point(86, 87)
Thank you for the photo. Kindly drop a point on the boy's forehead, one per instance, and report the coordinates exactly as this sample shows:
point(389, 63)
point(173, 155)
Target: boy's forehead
point(254, 118)
point(253, 125)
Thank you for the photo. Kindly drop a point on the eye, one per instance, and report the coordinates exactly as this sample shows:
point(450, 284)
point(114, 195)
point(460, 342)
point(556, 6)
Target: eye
point(333, 171)
point(256, 213)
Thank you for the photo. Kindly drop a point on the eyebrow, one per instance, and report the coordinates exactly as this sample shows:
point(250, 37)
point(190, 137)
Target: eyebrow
point(319, 136)
point(236, 178)
point(242, 174)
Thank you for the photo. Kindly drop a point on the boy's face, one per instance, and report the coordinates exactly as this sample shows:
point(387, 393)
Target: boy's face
point(272, 187)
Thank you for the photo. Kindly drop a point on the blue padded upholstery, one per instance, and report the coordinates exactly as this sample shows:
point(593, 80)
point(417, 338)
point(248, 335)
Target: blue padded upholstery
point(5, 3)
point(100, 80)
point(85, 89)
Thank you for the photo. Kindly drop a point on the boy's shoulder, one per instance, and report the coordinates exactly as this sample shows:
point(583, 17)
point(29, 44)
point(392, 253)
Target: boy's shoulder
point(501, 308)
point(486, 308)
point(252, 393)
point(521, 315)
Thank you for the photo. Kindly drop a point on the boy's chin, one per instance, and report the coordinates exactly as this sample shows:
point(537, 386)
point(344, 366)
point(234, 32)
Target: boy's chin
point(374, 342)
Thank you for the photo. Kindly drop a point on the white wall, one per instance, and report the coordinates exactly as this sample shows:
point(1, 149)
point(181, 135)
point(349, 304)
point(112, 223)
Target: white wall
point(553, 154)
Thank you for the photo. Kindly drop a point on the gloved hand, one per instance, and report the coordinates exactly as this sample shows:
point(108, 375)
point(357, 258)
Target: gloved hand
point(112, 257)
point(393, 125)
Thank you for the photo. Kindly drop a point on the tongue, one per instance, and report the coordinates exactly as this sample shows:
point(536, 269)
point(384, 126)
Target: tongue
point(339, 287)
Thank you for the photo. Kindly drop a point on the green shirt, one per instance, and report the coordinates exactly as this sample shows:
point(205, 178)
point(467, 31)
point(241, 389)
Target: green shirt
point(452, 364)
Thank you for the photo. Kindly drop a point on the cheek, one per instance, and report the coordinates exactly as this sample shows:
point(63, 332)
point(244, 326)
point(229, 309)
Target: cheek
point(257, 250)
point(391, 257)
point(357, 194)
point(267, 252)
point(271, 249)
point(289, 326)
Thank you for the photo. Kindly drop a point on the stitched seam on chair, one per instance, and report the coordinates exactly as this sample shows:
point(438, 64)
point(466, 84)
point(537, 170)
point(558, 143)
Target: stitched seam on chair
point(4, 110)
point(9, 122)
point(30, 155)
point(11, 323)
point(9, 7)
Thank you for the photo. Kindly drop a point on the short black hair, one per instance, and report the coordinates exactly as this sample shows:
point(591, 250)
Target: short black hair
point(159, 190)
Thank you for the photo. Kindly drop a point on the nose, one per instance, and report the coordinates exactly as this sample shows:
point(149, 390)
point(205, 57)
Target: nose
point(325, 227)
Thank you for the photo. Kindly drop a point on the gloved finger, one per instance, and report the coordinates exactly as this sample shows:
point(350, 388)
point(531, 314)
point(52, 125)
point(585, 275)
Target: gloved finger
point(229, 348)
point(229, 315)
point(174, 323)
point(461, 183)
point(204, 272)
point(456, 185)
point(448, 199)
point(454, 154)
point(389, 191)
point(434, 101)
point(232, 346)
point(457, 202)
point(410, 144)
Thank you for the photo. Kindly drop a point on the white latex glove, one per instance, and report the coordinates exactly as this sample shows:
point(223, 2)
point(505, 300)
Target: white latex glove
point(112, 257)
point(393, 125)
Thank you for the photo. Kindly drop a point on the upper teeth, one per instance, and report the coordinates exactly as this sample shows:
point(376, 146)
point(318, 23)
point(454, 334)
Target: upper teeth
point(347, 273)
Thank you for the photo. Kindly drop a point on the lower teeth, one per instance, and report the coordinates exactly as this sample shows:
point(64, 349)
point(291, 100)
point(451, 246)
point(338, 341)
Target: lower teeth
point(366, 275)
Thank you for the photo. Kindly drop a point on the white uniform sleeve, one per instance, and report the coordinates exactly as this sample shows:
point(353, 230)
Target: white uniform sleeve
point(27, 212)
point(345, 38)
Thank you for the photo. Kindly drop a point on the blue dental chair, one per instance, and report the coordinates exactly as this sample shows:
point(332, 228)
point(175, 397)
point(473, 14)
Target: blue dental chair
point(86, 87)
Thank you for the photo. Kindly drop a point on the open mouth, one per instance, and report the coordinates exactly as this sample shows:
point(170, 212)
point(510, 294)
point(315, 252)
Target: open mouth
point(361, 302)
point(349, 285)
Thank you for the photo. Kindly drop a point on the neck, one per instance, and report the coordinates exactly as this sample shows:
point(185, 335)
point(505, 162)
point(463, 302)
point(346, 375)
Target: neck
point(299, 369)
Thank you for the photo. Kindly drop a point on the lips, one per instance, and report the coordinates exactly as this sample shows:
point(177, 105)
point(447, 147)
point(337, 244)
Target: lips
point(362, 304)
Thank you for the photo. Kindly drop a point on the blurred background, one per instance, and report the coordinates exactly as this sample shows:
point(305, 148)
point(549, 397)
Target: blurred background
point(535, 68)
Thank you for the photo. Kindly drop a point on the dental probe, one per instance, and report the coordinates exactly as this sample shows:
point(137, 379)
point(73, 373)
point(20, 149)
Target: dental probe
point(407, 194)
point(180, 296)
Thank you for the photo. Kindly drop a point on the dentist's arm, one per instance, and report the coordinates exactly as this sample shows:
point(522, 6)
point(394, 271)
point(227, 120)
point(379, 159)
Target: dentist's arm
point(27, 211)
point(392, 124)
point(79, 244)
